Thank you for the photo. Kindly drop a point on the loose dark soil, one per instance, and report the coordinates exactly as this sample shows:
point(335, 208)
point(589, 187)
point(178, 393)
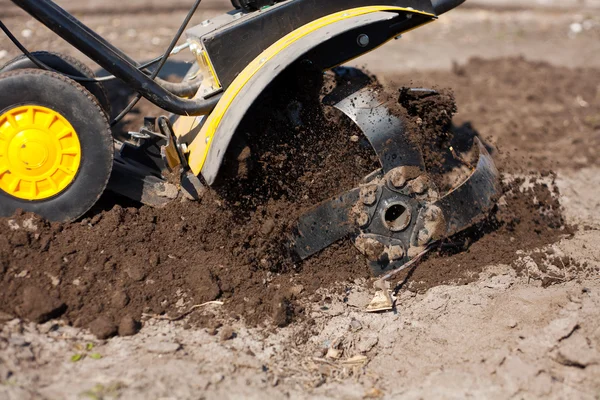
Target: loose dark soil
point(119, 262)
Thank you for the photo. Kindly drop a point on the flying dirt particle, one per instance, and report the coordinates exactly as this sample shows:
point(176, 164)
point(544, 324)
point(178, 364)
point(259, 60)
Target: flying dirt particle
point(39, 306)
point(128, 326)
point(103, 327)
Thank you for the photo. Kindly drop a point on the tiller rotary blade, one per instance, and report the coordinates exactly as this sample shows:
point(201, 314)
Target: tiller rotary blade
point(398, 212)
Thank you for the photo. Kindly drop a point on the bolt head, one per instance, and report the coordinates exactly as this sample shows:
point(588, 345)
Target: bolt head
point(371, 248)
point(419, 185)
point(368, 195)
point(362, 219)
point(395, 253)
point(363, 40)
point(432, 213)
point(398, 179)
point(424, 237)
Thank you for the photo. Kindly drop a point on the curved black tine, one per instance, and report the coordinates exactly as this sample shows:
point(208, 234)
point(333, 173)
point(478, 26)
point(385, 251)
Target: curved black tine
point(471, 201)
point(325, 224)
point(386, 132)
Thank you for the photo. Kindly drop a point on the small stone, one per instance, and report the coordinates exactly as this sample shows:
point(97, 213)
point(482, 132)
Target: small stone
point(367, 343)
point(213, 328)
point(355, 325)
point(267, 227)
point(128, 326)
point(216, 378)
point(48, 327)
point(227, 333)
point(333, 353)
point(22, 274)
point(120, 299)
point(135, 273)
point(296, 290)
point(103, 328)
point(163, 347)
point(154, 259)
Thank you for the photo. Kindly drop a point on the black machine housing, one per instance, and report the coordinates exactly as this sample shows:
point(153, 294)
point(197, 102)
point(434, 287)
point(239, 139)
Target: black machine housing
point(231, 46)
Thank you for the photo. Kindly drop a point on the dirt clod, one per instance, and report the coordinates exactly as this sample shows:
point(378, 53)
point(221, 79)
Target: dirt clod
point(39, 306)
point(128, 326)
point(233, 245)
point(103, 327)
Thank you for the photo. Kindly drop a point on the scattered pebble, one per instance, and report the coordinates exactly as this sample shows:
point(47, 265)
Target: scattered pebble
point(163, 347)
point(128, 326)
point(227, 333)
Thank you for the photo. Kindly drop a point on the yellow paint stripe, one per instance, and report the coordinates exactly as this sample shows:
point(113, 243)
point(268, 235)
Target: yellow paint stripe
point(200, 146)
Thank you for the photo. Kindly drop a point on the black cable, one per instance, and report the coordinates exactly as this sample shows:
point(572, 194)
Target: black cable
point(163, 60)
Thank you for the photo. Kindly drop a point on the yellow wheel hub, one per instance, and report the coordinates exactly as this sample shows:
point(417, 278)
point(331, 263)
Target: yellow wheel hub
point(40, 152)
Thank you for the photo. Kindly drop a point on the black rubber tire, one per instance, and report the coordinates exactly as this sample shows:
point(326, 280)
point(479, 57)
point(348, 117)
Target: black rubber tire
point(82, 110)
point(67, 65)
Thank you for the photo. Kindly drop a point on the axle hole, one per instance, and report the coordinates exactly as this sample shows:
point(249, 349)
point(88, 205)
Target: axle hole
point(397, 217)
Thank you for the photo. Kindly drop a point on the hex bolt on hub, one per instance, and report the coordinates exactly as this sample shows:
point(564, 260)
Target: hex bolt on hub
point(363, 219)
point(400, 176)
point(369, 247)
point(368, 195)
point(424, 237)
point(395, 253)
point(418, 185)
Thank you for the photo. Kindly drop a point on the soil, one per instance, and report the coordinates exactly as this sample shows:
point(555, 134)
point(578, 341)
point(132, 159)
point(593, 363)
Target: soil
point(115, 265)
point(506, 309)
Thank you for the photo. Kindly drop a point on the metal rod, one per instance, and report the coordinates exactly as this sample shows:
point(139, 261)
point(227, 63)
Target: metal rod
point(110, 58)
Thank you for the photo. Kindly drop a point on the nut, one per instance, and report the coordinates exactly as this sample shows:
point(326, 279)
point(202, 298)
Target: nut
point(362, 219)
point(432, 213)
point(434, 222)
point(424, 237)
point(399, 176)
point(371, 248)
point(395, 253)
point(418, 185)
point(368, 195)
